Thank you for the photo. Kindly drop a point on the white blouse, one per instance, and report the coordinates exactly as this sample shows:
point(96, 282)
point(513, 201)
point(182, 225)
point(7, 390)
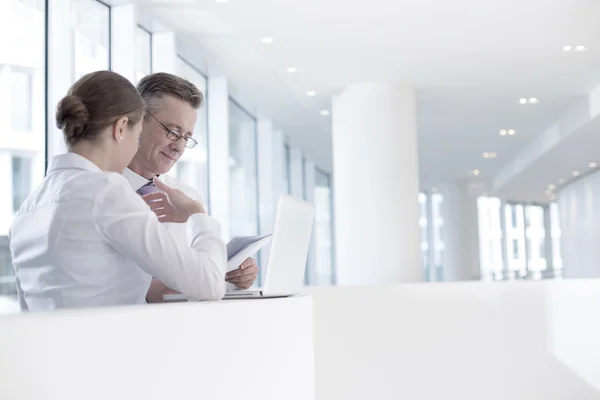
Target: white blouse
point(84, 238)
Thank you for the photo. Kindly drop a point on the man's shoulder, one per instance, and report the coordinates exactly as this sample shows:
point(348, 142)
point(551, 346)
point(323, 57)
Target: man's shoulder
point(177, 184)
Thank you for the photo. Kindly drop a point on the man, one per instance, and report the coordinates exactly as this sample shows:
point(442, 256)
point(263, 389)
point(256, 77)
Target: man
point(171, 113)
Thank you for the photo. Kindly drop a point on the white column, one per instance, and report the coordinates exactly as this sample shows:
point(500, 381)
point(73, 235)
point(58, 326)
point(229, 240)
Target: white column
point(60, 67)
point(296, 173)
point(460, 232)
point(270, 178)
point(122, 51)
point(218, 150)
point(375, 166)
point(309, 190)
point(164, 52)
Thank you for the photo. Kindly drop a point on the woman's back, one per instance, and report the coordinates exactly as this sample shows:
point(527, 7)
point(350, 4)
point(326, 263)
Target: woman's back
point(54, 234)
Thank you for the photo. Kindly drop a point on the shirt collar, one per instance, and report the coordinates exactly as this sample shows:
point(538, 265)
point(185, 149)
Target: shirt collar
point(136, 181)
point(71, 161)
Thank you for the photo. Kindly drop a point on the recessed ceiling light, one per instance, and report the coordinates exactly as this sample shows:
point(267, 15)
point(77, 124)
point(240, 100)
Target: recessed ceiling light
point(325, 113)
point(593, 165)
point(292, 70)
point(311, 93)
point(503, 132)
point(581, 48)
point(511, 132)
point(490, 155)
point(567, 48)
point(267, 40)
point(551, 187)
point(474, 172)
point(531, 100)
point(575, 173)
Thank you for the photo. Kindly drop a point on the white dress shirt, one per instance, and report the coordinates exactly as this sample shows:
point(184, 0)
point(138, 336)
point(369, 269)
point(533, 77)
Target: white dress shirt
point(84, 238)
point(177, 229)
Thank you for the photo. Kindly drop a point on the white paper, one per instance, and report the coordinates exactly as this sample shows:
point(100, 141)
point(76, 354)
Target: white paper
point(242, 247)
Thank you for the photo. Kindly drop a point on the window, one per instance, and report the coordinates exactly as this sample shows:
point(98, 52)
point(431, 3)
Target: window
point(536, 236)
point(287, 183)
point(490, 237)
point(424, 225)
point(431, 225)
point(21, 180)
point(323, 233)
point(192, 167)
point(242, 172)
point(143, 53)
point(22, 149)
point(515, 240)
point(91, 36)
point(20, 99)
point(556, 234)
point(437, 226)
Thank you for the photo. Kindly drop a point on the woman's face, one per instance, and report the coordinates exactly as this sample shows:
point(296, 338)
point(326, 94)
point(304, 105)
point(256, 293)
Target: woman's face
point(127, 139)
point(131, 141)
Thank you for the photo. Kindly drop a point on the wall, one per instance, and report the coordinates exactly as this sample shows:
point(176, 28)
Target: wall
point(468, 341)
point(579, 209)
point(211, 350)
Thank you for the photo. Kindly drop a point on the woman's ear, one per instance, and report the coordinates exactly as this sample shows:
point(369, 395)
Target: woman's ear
point(119, 128)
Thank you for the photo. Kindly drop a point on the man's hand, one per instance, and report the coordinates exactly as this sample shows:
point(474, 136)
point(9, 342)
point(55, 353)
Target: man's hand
point(245, 275)
point(171, 205)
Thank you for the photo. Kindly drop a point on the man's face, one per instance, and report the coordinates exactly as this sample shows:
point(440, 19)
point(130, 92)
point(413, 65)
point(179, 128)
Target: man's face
point(157, 153)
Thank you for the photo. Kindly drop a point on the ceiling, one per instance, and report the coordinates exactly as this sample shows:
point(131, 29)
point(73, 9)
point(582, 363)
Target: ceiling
point(470, 61)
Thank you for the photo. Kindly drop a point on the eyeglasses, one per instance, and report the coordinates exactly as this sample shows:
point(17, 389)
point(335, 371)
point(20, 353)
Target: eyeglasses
point(174, 136)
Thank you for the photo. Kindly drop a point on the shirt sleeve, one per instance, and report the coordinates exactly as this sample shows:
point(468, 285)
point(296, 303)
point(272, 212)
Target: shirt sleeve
point(195, 195)
point(196, 268)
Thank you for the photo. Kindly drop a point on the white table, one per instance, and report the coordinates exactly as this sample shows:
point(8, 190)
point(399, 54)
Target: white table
point(250, 349)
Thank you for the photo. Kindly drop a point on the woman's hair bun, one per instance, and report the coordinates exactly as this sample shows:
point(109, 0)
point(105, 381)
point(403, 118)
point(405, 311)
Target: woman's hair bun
point(72, 116)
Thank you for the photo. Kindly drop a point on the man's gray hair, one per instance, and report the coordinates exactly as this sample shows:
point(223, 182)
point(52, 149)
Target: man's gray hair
point(155, 87)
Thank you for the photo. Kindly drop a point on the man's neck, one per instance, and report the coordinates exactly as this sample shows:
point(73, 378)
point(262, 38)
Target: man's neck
point(135, 167)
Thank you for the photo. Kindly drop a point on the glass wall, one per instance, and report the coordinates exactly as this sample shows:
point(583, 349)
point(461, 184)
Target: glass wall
point(517, 247)
point(143, 53)
point(323, 232)
point(556, 234)
point(437, 226)
point(424, 225)
point(243, 189)
point(22, 115)
point(287, 183)
point(91, 36)
point(192, 167)
point(490, 237)
point(432, 245)
point(535, 235)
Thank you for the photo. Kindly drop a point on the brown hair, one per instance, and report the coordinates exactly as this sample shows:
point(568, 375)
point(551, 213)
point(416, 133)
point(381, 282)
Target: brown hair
point(154, 87)
point(95, 102)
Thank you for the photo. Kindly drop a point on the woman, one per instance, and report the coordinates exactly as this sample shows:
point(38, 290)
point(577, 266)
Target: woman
point(84, 238)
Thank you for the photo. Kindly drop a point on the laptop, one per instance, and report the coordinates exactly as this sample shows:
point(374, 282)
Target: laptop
point(288, 253)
